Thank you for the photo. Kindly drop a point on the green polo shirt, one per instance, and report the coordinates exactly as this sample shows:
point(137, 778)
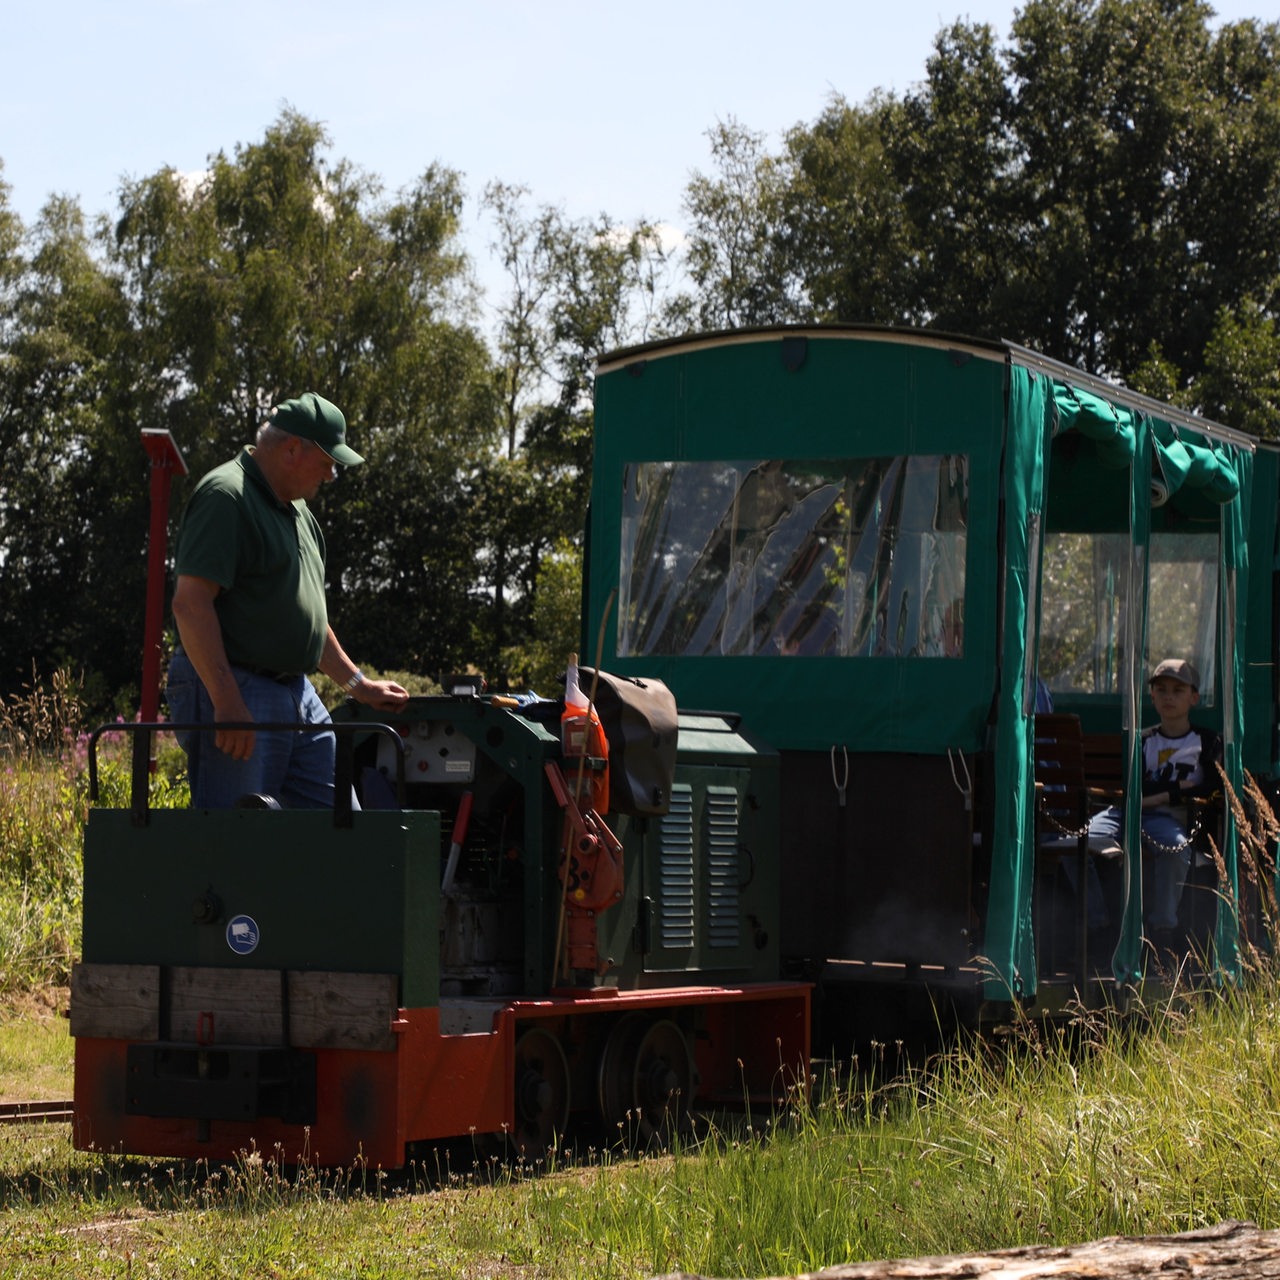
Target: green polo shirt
point(268, 558)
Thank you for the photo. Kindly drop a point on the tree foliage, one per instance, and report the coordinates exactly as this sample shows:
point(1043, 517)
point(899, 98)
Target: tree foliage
point(845, 223)
point(1105, 188)
point(202, 304)
point(734, 256)
point(279, 272)
point(206, 299)
point(72, 535)
point(575, 288)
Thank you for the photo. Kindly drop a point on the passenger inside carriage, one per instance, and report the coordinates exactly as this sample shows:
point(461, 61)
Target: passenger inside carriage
point(1178, 767)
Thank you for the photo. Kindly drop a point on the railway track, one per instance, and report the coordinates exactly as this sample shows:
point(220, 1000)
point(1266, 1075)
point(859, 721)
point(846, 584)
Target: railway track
point(35, 1112)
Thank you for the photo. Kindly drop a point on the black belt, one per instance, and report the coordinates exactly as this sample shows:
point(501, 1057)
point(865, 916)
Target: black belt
point(280, 677)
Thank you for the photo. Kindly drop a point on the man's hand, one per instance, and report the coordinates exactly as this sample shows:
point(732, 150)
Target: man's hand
point(385, 695)
point(237, 743)
point(201, 636)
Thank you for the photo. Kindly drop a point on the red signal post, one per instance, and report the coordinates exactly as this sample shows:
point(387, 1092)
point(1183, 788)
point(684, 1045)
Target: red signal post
point(166, 459)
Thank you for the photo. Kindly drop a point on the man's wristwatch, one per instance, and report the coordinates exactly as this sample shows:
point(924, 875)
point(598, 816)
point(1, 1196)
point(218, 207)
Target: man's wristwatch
point(357, 679)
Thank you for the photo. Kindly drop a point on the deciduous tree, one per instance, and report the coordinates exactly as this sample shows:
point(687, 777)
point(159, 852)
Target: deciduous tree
point(277, 272)
point(1104, 187)
point(575, 289)
point(72, 534)
point(734, 253)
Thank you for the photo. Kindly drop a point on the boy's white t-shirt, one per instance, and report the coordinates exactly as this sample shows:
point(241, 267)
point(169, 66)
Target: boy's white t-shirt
point(1173, 759)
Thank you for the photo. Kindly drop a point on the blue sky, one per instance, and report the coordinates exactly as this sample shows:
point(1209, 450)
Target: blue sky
point(594, 106)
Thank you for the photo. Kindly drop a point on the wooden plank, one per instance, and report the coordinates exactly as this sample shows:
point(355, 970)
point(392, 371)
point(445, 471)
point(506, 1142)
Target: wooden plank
point(206, 1005)
point(115, 1001)
point(1060, 777)
point(225, 1006)
point(1104, 762)
point(1057, 726)
point(342, 1010)
point(1229, 1251)
point(246, 1006)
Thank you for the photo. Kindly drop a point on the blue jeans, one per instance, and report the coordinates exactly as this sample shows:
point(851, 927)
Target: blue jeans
point(295, 768)
point(1166, 841)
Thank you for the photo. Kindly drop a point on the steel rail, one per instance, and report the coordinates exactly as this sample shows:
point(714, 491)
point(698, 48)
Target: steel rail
point(36, 1112)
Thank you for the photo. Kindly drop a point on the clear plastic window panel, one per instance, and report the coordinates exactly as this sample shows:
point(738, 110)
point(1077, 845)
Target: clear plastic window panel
point(857, 557)
point(1084, 621)
point(1182, 607)
point(1084, 627)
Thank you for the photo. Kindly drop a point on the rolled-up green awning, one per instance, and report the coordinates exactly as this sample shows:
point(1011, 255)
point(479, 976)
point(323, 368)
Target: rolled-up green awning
point(1111, 426)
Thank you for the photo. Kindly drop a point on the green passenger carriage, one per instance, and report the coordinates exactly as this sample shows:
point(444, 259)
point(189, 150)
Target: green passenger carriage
point(869, 544)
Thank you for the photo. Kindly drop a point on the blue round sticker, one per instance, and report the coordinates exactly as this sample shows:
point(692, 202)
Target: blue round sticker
point(242, 934)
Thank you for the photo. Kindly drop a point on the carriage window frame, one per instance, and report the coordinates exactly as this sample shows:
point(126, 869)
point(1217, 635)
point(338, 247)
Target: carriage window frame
point(844, 557)
point(1085, 630)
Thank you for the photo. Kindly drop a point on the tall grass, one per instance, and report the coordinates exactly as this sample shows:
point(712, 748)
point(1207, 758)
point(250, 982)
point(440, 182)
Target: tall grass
point(1054, 1138)
point(1057, 1137)
point(44, 801)
point(1162, 1121)
point(1099, 1130)
point(42, 811)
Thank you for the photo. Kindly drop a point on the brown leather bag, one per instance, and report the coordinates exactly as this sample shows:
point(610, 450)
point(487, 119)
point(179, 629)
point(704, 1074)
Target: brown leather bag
point(640, 723)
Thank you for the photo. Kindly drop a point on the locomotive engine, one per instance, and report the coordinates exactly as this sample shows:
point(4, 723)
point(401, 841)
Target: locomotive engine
point(470, 951)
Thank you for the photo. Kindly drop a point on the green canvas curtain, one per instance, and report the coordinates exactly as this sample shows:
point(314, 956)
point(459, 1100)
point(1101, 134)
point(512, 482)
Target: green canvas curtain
point(1204, 466)
point(1009, 943)
point(1111, 426)
point(1223, 474)
point(1236, 515)
point(1126, 960)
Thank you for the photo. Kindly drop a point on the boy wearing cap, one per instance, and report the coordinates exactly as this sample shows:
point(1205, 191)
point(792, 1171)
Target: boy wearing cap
point(250, 608)
point(1178, 761)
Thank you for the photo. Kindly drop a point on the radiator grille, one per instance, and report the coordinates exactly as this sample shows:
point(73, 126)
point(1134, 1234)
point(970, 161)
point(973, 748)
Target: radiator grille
point(676, 872)
point(723, 915)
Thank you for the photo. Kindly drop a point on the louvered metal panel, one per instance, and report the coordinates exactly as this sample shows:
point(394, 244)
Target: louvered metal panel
point(721, 839)
point(676, 872)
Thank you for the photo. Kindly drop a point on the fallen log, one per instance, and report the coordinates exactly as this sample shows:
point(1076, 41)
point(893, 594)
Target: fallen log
point(1229, 1251)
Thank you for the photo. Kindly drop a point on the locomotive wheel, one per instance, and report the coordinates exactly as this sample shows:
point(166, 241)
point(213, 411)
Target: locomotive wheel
point(663, 1082)
point(646, 1079)
point(615, 1076)
point(542, 1093)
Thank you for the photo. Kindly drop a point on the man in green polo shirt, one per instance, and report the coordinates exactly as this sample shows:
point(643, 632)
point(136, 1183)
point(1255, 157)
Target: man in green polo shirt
point(249, 604)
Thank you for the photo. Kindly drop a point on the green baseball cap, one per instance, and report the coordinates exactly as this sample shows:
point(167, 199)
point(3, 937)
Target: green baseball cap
point(314, 418)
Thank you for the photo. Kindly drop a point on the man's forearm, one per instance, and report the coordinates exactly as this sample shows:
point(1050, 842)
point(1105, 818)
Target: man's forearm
point(334, 661)
point(201, 637)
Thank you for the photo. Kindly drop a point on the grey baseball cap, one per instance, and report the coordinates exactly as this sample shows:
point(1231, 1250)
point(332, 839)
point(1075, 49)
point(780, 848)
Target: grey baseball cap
point(1177, 669)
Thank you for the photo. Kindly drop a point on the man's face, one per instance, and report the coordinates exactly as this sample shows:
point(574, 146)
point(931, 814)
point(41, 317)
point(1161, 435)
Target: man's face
point(312, 468)
point(1173, 699)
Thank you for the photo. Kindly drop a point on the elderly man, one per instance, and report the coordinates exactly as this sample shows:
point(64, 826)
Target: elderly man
point(249, 604)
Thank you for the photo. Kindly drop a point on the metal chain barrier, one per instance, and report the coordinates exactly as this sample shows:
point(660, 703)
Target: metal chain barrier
point(1059, 828)
point(1148, 841)
point(1156, 847)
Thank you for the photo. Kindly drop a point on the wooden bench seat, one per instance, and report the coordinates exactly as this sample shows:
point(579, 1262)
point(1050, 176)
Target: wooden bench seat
point(1104, 763)
point(1076, 776)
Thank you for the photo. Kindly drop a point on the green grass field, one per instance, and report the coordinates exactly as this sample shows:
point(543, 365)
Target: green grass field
point(1037, 1140)
point(1156, 1124)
